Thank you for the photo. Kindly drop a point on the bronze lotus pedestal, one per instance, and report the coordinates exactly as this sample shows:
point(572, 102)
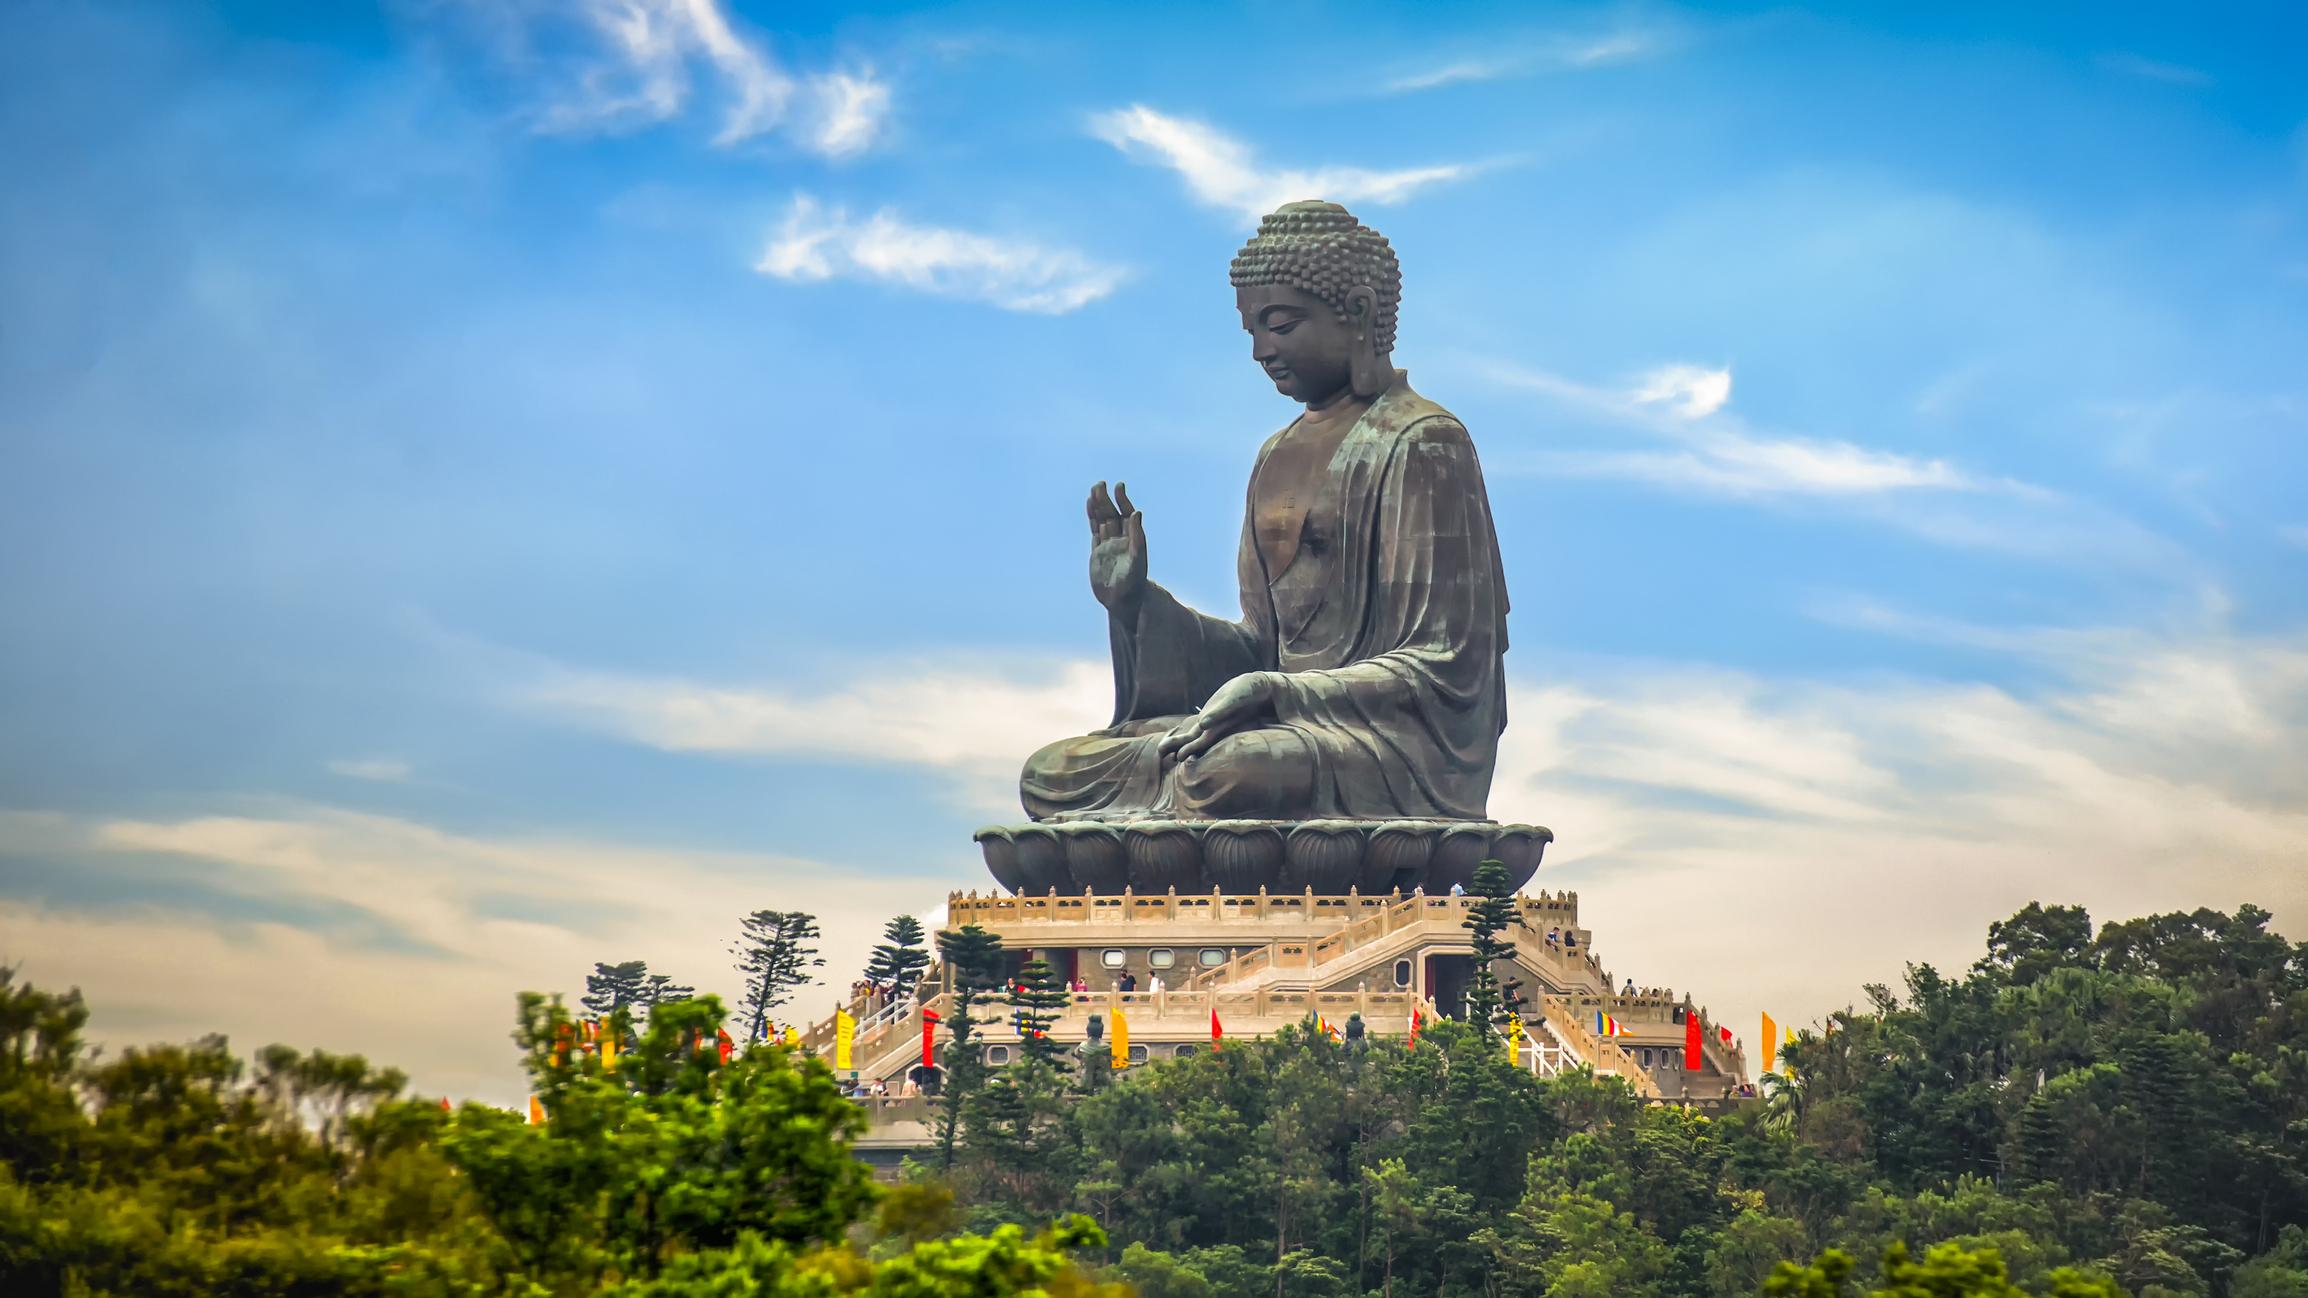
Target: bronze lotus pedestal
point(1244, 856)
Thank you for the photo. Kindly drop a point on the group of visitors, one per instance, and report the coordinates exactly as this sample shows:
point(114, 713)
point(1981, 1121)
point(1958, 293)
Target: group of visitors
point(1565, 940)
point(856, 1089)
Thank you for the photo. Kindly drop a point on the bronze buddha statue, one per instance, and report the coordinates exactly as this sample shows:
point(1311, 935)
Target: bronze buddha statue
point(1363, 679)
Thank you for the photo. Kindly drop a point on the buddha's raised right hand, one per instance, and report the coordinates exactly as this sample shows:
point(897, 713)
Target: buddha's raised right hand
point(1117, 549)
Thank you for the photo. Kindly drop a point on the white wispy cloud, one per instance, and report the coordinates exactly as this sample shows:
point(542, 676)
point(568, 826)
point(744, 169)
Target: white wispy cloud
point(1712, 450)
point(481, 918)
point(1714, 820)
point(2172, 74)
point(853, 108)
point(816, 242)
point(644, 62)
point(1222, 172)
point(1560, 53)
point(2294, 533)
point(383, 770)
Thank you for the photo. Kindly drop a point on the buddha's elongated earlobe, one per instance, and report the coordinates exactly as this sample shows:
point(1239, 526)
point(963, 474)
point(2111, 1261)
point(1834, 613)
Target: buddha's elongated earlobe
point(1368, 371)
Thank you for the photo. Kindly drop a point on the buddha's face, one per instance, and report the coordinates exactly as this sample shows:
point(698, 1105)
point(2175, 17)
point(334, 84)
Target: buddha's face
point(1301, 343)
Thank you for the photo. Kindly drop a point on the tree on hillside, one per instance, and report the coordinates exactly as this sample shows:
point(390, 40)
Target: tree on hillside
point(899, 962)
point(1040, 999)
point(775, 950)
point(630, 987)
point(662, 990)
point(613, 987)
point(974, 959)
point(1492, 914)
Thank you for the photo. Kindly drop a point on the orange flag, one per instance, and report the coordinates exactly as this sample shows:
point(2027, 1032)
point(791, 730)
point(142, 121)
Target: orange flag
point(723, 1039)
point(536, 1112)
point(1770, 1044)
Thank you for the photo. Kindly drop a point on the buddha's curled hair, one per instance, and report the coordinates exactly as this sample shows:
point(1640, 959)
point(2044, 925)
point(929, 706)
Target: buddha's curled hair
point(1320, 248)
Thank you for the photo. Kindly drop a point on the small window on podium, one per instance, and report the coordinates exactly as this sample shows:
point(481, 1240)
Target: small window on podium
point(1211, 957)
point(1402, 973)
point(1138, 1055)
point(997, 1055)
point(1161, 957)
point(1185, 1050)
point(1113, 957)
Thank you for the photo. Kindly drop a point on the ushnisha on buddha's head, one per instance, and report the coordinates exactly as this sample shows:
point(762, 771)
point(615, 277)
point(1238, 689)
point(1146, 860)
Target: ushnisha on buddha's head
point(1318, 292)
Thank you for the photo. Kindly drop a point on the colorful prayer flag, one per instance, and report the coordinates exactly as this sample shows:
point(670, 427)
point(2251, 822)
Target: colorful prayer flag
point(1121, 1056)
point(1606, 1026)
point(1770, 1044)
point(844, 1037)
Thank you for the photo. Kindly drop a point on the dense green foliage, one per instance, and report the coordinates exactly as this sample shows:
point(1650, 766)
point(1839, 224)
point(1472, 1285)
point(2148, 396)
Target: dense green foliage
point(178, 1171)
point(2125, 1113)
point(2080, 1116)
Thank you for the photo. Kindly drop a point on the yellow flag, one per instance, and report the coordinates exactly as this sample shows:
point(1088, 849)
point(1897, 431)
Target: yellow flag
point(1514, 1036)
point(792, 1036)
point(844, 1036)
point(1121, 1039)
point(536, 1112)
point(608, 1048)
point(1770, 1044)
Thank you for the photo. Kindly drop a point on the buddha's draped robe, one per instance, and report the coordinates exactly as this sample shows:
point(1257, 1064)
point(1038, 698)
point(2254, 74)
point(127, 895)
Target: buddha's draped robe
point(1386, 627)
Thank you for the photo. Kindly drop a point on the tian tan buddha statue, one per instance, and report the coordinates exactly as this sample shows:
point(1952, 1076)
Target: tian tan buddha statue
point(1361, 682)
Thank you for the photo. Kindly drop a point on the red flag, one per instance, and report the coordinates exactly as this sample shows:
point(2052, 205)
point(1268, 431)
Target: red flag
point(1693, 1059)
point(1417, 1021)
point(1217, 1034)
point(1724, 1034)
point(929, 1035)
point(447, 1107)
point(725, 1041)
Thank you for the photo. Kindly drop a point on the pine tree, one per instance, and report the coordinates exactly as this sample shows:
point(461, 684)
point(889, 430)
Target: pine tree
point(1486, 1006)
point(613, 987)
point(973, 958)
point(899, 962)
point(1040, 998)
point(775, 951)
point(662, 990)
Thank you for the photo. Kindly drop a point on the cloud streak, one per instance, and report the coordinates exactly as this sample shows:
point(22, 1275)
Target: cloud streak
point(1712, 451)
point(1715, 820)
point(477, 919)
point(816, 243)
point(1561, 54)
point(1223, 172)
point(644, 63)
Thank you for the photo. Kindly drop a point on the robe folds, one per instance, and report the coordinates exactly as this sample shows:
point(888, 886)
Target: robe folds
point(1384, 633)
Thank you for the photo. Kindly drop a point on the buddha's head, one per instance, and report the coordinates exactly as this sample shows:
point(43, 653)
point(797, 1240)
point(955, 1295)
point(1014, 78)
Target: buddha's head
point(1318, 291)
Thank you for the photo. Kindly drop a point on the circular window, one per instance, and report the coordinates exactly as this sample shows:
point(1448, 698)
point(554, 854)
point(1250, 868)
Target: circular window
point(1161, 957)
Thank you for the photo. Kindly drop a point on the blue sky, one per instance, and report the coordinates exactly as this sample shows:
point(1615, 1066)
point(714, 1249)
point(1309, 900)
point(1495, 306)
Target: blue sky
point(489, 485)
